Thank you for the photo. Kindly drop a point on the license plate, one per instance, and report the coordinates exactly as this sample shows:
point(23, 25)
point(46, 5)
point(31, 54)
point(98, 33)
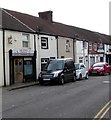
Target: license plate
point(94, 71)
point(46, 79)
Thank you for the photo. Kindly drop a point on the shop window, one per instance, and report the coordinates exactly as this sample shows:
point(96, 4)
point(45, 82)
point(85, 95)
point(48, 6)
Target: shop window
point(43, 62)
point(28, 69)
point(25, 40)
point(44, 42)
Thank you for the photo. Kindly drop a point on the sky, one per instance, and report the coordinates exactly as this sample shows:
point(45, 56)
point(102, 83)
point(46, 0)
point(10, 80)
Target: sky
point(88, 14)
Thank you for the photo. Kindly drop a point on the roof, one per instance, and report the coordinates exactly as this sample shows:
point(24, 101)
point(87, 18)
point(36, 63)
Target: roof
point(20, 21)
point(10, 22)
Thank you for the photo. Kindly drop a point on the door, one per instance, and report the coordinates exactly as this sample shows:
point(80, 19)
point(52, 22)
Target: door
point(18, 70)
point(68, 74)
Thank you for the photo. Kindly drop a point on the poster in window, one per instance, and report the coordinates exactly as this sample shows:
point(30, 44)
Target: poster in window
point(27, 68)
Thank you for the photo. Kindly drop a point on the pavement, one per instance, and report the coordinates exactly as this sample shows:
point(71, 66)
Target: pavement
point(20, 85)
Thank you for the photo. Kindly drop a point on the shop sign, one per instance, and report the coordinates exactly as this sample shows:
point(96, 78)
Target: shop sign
point(22, 52)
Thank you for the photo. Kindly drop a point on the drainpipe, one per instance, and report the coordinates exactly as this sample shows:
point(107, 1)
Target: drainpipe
point(4, 57)
point(57, 47)
point(35, 56)
point(74, 49)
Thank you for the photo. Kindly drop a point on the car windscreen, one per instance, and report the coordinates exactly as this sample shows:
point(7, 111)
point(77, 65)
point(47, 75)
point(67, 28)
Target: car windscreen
point(76, 66)
point(98, 65)
point(54, 65)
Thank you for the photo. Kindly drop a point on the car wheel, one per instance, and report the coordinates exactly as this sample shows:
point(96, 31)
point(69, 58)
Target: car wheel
point(61, 81)
point(80, 77)
point(74, 79)
point(86, 76)
point(104, 73)
point(41, 82)
point(109, 72)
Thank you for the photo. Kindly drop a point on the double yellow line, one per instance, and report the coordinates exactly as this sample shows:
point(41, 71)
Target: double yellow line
point(103, 111)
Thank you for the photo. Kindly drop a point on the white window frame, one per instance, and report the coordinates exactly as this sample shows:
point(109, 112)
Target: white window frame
point(25, 40)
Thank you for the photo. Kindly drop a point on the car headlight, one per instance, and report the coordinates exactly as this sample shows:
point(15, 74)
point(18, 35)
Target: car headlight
point(101, 68)
point(55, 74)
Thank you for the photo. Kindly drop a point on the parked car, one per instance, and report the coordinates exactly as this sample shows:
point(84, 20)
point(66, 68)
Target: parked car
point(100, 68)
point(81, 71)
point(58, 70)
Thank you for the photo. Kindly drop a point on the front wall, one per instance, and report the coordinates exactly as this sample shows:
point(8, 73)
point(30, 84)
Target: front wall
point(1, 59)
point(45, 53)
point(81, 52)
point(62, 48)
point(16, 44)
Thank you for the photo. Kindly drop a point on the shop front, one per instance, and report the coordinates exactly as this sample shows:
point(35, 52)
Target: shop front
point(22, 63)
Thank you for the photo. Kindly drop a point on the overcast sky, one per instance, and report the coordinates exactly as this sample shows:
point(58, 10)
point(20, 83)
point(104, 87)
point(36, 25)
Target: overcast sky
point(88, 14)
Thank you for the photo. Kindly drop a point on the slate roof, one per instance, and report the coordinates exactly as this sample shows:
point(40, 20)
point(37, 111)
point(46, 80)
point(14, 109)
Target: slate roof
point(9, 22)
point(20, 21)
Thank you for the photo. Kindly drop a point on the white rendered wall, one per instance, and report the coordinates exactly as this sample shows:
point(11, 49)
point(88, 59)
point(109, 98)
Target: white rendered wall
point(45, 53)
point(1, 59)
point(16, 44)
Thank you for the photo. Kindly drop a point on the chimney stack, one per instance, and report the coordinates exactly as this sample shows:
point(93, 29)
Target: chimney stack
point(47, 15)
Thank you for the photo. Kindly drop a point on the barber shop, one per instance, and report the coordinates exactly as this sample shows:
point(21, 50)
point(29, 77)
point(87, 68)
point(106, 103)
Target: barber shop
point(22, 63)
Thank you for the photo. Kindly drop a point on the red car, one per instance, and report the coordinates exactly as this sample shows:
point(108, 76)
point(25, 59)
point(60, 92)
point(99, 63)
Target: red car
point(100, 68)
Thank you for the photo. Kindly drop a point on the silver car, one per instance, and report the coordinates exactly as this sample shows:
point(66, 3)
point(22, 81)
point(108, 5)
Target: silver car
point(81, 71)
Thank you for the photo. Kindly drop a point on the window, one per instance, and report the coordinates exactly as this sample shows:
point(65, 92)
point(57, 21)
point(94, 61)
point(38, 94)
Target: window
point(84, 44)
point(68, 46)
point(101, 59)
point(90, 46)
point(95, 46)
point(52, 58)
point(109, 48)
point(44, 42)
point(25, 40)
point(70, 65)
point(62, 56)
point(43, 62)
point(80, 59)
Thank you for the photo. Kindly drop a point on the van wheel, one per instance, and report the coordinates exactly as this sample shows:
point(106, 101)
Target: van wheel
point(86, 76)
point(41, 82)
point(74, 79)
point(61, 81)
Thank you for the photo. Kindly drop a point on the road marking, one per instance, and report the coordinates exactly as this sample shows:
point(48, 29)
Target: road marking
point(106, 81)
point(103, 111)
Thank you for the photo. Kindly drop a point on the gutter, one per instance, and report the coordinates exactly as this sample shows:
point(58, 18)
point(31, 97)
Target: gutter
point(4, 57)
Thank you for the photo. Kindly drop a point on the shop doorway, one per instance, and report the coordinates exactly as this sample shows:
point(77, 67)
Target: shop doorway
point(18, 70)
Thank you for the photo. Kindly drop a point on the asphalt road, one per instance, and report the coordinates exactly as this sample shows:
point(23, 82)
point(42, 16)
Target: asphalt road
point(80, 99)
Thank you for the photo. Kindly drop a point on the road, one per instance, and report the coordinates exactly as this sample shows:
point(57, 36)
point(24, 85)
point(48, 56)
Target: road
point(80, 99)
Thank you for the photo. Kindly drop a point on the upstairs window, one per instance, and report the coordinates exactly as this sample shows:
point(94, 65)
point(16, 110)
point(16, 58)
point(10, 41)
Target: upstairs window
point(68, 46)
point(84, 44)
point(44, 42)
point(25, 40)
point(90, 46)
